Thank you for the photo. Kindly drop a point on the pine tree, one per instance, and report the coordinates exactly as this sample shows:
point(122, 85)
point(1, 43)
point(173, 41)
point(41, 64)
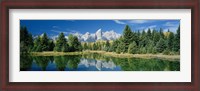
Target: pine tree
point(170, 41)
point(161, 45)
point(127, 37)
point(132, 49)
point(44, 42)
point(61, 43)
point(107, 46)
point(85, 47)
point(156, 38)
point(177, 40)
point(161, 33)
point(149, 33)
point(121, 48)
point(26, 40)
point(74, 43)
point(51, 45)
point(115, 45)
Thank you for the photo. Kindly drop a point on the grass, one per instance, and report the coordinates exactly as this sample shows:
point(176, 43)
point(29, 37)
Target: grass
point(51, 53)
point(112, 54)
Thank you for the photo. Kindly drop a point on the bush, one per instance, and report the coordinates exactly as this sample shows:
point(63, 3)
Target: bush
point(166, 52)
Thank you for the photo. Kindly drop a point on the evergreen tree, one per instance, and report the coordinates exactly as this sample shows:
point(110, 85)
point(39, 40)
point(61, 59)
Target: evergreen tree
point(127, 37)
point(161, 33)
point(132, 49)
point(44, 42)
point(114, 45)
point(177, 40)
point(61, 43)
point(107, 46)
point(37, 46)
point(149, 33)
point(161, 45)
point(121, 48)
point(51, 45)
point(85, 47)
point(74, 43)
point(26, 40)
point(150, 47)
point(170, 41)
point(156, 38)
point(94, 46)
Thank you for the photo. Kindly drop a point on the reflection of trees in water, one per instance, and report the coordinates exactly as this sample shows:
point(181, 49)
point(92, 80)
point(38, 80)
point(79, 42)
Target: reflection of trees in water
point(99, 61)
point(138, 64)
point(60, 62)
point(63, 61)
point(73, 62)
point(43, 61)
point(97, 56)
point(25, 62)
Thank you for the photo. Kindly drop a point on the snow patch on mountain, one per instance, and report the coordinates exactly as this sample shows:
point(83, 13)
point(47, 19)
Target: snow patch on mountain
point(92, 37)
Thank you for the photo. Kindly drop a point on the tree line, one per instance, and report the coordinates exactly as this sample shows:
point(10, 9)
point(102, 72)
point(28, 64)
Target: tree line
point(43, 43)
point(150, 41)
point(133, 42)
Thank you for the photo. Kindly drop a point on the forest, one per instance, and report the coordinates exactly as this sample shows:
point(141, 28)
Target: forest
point(132, 42)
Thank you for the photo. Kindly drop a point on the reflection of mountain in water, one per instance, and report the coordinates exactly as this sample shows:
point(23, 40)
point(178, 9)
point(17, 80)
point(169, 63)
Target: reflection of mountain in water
point(99, 64)
point(94, 62)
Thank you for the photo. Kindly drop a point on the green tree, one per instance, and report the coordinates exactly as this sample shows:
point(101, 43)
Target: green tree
point(177, 40)
point(132, 49)
point(94, 46)
point(161, 45)
point(150, 47)
point(44, 42)
point(156, 37)
point(149, 33)
point(114, 45)
point(170, 41)
point(121, 48)
point(107, 46)
point(26, 40)
point(161, 33)
point(51, 45)
point(127, 37)
point(74, 43)
point(61, 43)
point(85, 46)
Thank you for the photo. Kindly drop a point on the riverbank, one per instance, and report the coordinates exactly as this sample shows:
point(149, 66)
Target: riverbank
point(112, 54)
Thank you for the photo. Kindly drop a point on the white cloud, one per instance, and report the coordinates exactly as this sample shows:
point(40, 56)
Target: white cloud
point(119, 22)
point(57, 31)
point(170, 24)
point(67, 31)
point(140, 21)
point(141, 28)
point(55, 27)
point(150, 27)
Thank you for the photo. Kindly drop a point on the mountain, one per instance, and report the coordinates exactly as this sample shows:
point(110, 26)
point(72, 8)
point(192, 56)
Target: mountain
point(110, 35)
point(92, 37)
point(98, 34)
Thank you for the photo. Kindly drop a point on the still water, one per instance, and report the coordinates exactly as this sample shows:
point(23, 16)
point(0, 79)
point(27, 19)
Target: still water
point(95, 62)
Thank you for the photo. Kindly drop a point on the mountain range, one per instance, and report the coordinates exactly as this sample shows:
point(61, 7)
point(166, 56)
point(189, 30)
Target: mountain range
point(92, 37)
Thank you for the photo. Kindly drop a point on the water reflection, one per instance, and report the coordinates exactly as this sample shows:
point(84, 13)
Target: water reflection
point(95, 62)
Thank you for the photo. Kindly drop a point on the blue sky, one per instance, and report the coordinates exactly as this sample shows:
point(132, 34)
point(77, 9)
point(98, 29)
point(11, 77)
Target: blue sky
point(54, 27)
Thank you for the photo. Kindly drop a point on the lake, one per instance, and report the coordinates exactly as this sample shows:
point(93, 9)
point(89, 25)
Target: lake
point(95, 62)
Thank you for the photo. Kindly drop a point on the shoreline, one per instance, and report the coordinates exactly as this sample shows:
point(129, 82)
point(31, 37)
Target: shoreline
point(112, 54)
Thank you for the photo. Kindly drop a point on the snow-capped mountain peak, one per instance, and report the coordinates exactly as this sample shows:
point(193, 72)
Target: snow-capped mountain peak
point(98, 35)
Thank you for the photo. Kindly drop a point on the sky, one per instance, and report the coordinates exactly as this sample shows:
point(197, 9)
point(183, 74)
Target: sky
point(54, 27)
